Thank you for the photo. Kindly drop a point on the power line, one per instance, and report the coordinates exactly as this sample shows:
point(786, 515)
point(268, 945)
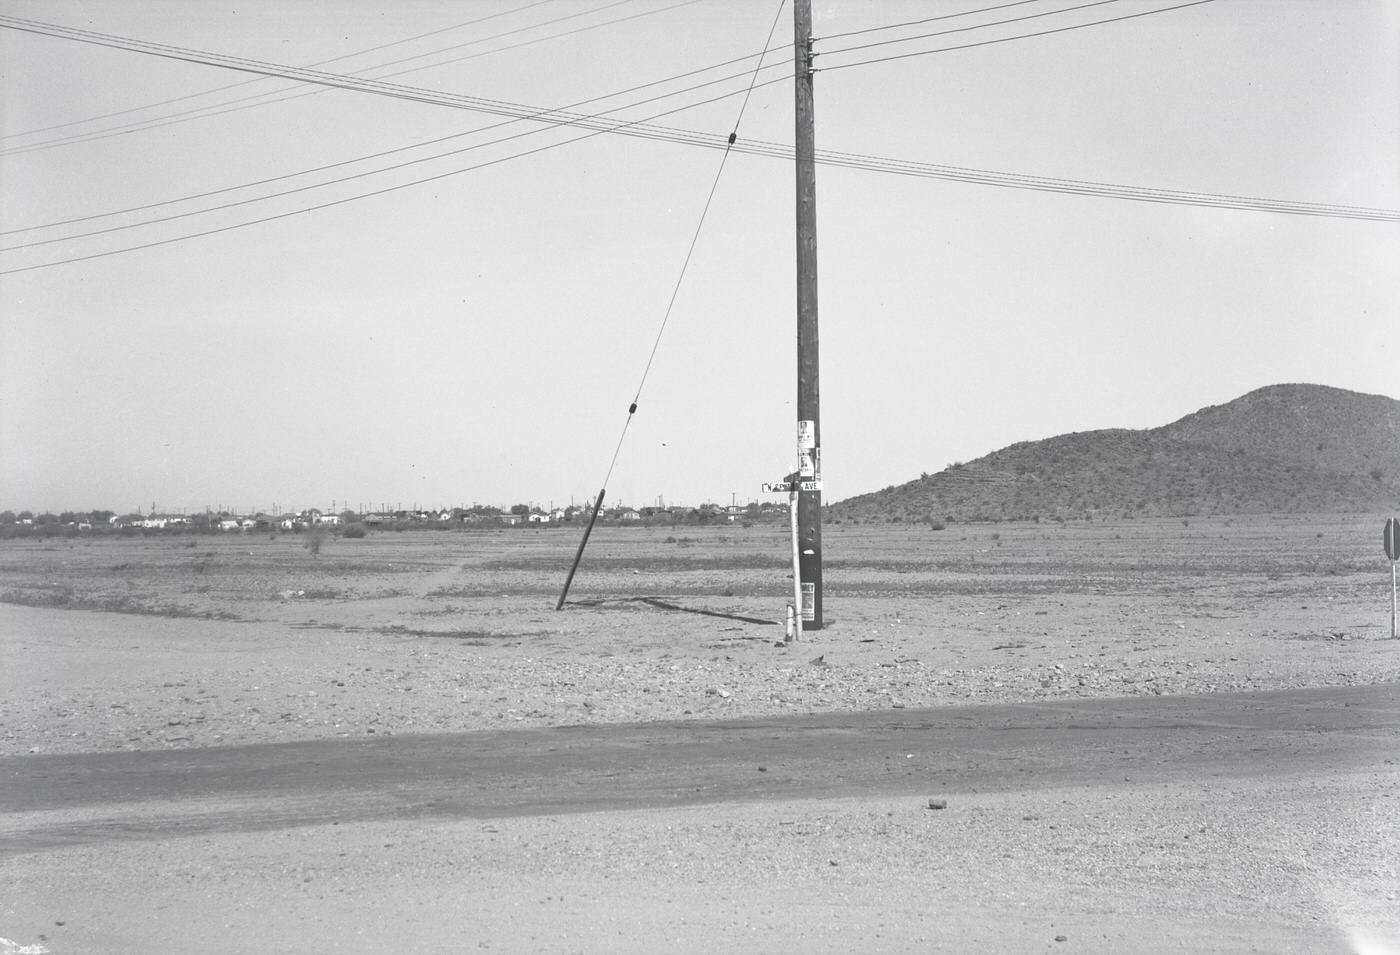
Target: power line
point(240, 64)
point(1023, 36)
point(377, 192)
point(263, 99)
point(1104, 190)
point(967, 29)
point(550, 117)
point(517, 111)
point(971, 175)
point(306, 75)
point(643, 129)
point(232, 86)
point(915, 23)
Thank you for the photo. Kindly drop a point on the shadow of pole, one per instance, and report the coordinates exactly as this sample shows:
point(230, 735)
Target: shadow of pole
point(661, 604)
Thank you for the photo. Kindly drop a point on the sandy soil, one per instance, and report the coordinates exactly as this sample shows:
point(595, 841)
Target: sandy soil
point(156, 643)
point(250, 639)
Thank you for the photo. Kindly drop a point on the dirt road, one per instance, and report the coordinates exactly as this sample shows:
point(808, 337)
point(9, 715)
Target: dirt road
point(643, 766)
point(1249, 822)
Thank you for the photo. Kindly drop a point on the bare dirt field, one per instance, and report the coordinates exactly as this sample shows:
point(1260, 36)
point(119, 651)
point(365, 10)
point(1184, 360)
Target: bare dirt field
point(115, 644)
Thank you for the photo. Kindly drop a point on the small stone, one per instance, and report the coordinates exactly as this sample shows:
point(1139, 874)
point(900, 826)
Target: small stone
point(938, 804)
point(1061, 938)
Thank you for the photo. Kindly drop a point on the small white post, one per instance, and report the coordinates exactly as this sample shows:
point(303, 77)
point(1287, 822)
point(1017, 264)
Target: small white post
point(796, 631)
point(1392, 600)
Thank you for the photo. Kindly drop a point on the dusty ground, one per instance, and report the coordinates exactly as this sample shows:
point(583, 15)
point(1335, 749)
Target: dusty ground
point(211, 641)
point(174, 642)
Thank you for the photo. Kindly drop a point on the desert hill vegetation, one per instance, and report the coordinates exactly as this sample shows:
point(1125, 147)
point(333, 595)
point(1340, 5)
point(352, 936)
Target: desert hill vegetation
point(1290, 448)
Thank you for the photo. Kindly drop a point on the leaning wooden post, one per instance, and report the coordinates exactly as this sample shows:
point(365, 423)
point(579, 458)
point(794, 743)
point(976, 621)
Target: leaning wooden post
point(581, 545)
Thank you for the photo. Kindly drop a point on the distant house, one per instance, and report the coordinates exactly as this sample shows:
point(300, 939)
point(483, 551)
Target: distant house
point(627, 514)
point(510, 520)
point(228, 524)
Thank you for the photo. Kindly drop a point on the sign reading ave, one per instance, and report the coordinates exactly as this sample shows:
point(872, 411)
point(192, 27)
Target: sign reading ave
point(786, 487)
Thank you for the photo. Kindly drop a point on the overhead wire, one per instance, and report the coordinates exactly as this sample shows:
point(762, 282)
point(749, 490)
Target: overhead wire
point(1106, 190)
point(550, 117)
point(623, 125)
point(246, 65)
point(915, 23)
point(643, 128)
point(299, 74)
point(232, 86)
point(1009, 39)
point(518, 111)
point(966, 29)
point(564, 116)
point(848, 160)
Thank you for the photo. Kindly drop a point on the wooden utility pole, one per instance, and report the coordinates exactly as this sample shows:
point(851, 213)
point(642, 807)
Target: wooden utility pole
point(809, 498)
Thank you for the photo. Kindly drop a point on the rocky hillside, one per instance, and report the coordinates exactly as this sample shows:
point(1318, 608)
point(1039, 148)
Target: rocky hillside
point(1280, 449)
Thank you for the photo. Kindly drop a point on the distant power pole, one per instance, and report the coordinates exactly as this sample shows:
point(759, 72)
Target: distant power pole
point(809, 497)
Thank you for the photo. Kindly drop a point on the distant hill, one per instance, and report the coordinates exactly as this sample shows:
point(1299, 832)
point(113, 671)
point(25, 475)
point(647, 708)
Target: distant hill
point(1280, 449)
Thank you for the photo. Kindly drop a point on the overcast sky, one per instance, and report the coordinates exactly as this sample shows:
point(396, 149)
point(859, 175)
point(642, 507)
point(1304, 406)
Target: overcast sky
point(478, 338)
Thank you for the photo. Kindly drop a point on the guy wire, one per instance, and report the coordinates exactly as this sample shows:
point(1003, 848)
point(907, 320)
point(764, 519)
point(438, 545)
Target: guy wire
point(694, 240)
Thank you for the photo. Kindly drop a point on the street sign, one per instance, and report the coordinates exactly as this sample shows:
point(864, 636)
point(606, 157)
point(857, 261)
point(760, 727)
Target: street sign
point(786, 487)
point(1392, 538)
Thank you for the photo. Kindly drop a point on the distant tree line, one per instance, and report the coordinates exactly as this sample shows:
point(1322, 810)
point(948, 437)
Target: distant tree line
point(353, 524)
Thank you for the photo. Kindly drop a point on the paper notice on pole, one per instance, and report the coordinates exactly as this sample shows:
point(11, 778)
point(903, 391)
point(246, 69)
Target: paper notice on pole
point(806, 435)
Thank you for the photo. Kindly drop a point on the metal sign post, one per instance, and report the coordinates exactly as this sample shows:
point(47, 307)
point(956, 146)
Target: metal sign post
point(1391, 539)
